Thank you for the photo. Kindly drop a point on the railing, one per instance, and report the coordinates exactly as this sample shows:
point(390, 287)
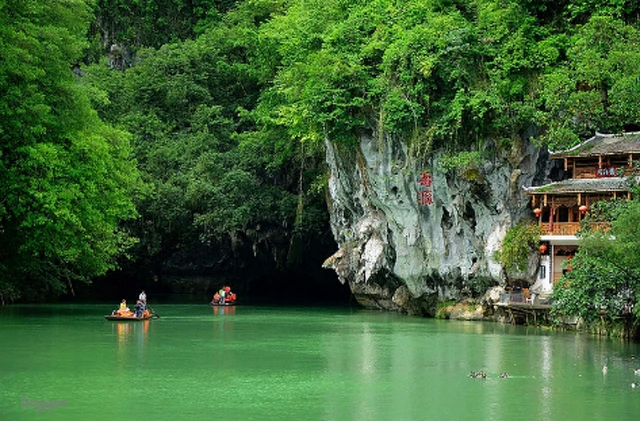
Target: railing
point(513, 297)
point(521, 297)
point(567, 228)
point(560, 228)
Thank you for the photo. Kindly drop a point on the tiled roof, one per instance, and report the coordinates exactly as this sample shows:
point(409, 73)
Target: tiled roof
point(604, 144)
point(585, 185)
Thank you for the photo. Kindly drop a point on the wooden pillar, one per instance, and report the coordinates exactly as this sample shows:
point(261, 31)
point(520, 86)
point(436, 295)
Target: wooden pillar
point(552, 262)
point(551, 215)
point(570, 214)
point(600, 161)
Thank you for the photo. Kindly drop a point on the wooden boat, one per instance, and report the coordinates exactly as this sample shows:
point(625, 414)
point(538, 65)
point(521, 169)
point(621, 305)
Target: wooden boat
point(233, 303)
point(230, 299)
point(129, 319)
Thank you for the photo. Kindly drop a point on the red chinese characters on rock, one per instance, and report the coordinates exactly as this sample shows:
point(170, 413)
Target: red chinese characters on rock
point(425, 197)
point(425, 179)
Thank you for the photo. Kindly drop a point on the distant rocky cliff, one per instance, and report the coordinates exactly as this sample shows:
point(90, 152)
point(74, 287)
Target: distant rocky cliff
point(409, 233)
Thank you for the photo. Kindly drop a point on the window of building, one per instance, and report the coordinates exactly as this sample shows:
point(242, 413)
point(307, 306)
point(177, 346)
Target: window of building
point(563, 214)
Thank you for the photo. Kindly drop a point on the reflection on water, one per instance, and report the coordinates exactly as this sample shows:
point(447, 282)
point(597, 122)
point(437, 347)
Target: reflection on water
point(222, 310)
point(126, 331)
point(131, 335)
point(223, 322)
point(546, 369)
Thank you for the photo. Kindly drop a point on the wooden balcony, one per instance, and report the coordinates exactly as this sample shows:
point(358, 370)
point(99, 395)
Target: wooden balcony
point(568, 228)
point(560, 228)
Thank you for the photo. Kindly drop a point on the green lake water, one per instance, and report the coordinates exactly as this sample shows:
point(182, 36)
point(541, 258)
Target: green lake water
point(66, 362)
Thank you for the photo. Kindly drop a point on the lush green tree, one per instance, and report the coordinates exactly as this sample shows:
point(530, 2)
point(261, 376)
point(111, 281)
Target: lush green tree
point(66, 178)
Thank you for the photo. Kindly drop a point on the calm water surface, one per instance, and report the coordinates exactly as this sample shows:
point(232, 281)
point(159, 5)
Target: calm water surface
point(258, 363)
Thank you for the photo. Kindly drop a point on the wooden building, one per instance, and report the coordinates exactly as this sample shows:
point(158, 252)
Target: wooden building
point(590, 172)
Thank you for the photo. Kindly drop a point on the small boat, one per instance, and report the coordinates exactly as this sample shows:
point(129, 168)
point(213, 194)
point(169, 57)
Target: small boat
point(225, 295)
point(226, 304)
point(129, 318)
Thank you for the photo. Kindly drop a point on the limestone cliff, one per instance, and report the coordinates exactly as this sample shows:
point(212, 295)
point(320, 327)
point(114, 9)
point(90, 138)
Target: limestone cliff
point(410, 233)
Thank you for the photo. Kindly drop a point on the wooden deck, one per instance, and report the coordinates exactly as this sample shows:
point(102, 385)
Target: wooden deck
point(525, 313)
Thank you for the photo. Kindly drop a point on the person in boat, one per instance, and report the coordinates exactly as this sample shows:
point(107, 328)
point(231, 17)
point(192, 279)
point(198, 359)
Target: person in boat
point(123, 310)
point(143, 297)
point(216, 298)
point(230, 297)
point(222, 294)
point(138, 309)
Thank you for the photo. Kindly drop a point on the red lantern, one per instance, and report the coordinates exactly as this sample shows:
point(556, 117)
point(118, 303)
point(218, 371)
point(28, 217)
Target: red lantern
point(543, 248)
point(583, 209)
point(537, 211)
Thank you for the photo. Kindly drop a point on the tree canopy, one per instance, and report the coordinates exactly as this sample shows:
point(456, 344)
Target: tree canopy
point(456, 74)
point(66, 177)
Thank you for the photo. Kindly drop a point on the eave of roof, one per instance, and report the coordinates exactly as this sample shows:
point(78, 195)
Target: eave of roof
point(603, 144)
point(586, 185)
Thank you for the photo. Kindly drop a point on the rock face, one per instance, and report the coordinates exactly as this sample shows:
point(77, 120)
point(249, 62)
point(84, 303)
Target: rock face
point(409, 233)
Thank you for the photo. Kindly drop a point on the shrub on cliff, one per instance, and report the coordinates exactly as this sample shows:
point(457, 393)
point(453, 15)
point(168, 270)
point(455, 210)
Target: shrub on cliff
point(518, 245)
